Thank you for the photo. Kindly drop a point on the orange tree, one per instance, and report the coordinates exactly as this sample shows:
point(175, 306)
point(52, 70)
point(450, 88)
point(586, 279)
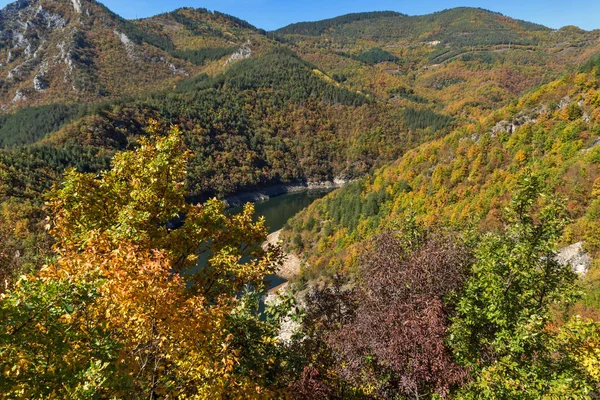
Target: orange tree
point(148, 296)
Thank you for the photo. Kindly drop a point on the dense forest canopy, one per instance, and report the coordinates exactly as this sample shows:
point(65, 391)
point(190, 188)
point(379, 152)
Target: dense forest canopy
point(319, 27)
point(458, 26)
point(30, 125)
point(468, 147)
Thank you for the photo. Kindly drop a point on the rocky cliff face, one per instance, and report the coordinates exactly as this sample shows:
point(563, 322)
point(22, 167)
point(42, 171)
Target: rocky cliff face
point(78, 50)
point(242, 53)
point(61, 50)
point(25, 30)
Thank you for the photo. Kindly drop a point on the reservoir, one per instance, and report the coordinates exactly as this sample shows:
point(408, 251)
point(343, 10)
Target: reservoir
point(278, 210)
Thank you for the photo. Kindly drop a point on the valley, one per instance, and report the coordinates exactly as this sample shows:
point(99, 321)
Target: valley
point(423, 172)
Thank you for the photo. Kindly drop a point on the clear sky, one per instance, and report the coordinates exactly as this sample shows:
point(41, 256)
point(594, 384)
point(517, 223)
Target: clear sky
point(273, 14)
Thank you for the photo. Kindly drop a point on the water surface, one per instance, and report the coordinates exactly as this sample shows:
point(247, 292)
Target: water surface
point(278, 210)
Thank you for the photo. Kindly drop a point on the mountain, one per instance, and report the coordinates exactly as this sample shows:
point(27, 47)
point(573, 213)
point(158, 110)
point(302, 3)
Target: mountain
point(317, 28)
point(190, 28)
point(458, 26)
point(79, 51)
point(470, 60)
point(66, 51)
point(200, 36)
point(466, 179)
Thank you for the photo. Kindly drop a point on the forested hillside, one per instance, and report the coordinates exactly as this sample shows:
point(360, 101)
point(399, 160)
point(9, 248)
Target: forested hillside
point(399, 302)
point(470, 60)
point(270, 119)
point(482, 26)
point(466, 178)
point(65, 51)
point(469, 145)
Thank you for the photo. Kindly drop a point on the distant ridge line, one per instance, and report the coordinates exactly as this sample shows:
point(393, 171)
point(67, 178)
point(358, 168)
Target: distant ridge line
point(308, 26)
point(316, 28)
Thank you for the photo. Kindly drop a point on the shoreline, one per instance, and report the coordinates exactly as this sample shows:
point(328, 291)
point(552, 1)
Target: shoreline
point(290, 267)
point(267, 193)
point(291, 264)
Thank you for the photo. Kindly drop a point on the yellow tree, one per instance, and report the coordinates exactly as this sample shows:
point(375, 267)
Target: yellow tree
point(145, 297)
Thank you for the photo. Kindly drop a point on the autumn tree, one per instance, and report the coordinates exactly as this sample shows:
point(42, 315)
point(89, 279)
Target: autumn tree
point(396, 343)
point(387, 332)
point(328, 307)
point(146, 294)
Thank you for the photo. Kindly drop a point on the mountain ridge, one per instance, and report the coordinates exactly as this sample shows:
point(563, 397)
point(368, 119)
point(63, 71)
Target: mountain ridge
point(79, 50)
point(361, 16)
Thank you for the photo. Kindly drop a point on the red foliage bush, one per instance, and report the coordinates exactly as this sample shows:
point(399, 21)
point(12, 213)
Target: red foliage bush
point(396, 341)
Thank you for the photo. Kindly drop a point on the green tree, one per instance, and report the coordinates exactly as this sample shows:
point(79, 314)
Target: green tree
point(502, 331)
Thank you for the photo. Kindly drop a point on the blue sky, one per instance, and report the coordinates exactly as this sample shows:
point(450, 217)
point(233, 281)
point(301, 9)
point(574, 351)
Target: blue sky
point(272, 14)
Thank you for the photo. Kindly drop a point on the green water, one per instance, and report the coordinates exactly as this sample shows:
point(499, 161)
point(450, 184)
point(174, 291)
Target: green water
point(278, 210)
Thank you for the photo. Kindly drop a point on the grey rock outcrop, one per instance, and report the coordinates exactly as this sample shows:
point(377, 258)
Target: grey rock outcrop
point(564, 102)
point(576, 257)
point(77, 6)
point(19, 96)
point(242, 53)
point(288, 327)
point(40, 83)
point(595, 142)
point(523, 118)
